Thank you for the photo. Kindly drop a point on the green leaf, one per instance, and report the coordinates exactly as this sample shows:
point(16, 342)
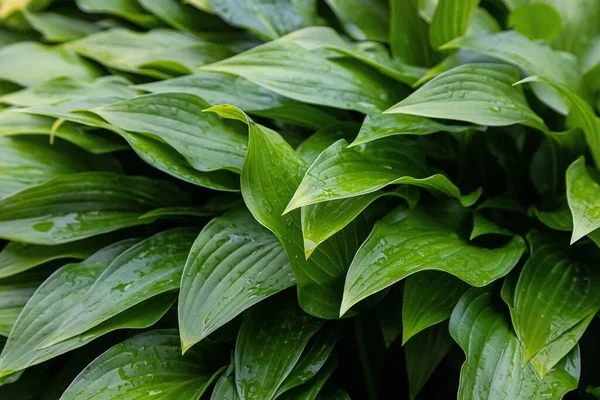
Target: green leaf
point(149, 364)
point(583, 191)
point(159, 53)
point(59, 28)
point(493, 366)
point(363, 20)
point(451, 20)
point(536, 21)
point(126, 9)
point(291, 70)
point(220, 88)
point(225, 386)
point(428, 299)
point(15, 291)
point(409, 33)
point(205, 141)
point(533, 59)
point(76, 206)
point(579, 24)
point(420, 239)
point(316, 143)
point(270, 343)
point(20, 63)
point(483, 226)
point(478, 93)
point(181, 16)
point(51, 303)
point(341, 172)
point(233, 264)
point(147, 269)
point(421, 364)
point(555, 293)
point(311, 389)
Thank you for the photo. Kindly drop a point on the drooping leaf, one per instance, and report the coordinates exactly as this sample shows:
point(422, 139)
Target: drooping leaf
point(424, 238)
point(537, 21)
point(363, 20)
point(451, 20)
point(233, 264)
point(59, 28)
point(429, 298)
point(76, 206)
point(270, 343)
point(149, 364)
point(127, 9)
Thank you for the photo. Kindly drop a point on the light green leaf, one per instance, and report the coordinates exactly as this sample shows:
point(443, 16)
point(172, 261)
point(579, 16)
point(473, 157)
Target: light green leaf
point(420, 239)
point(483, 226)
point(478, 93)
point(451, 20)
point(76, 206)
point(341, 172)
point(159, 53)
point(59, 28)
point(233, 264)
point(423, 354)
point(126, 9)
point(149, 364)
point(270, 343)
point(482, 22)
point(537, 21)
point(19, 63)
point(206, 142)
point(409, 33)
point(149, 268)
point(51, 303)
point(428, 299)
point(533, 59)
point(311, 389)
point(363, 20)
point(493, 366)
point(579, 24)
point(583, 191)
point(291, 70)
point(181, 16)
point(15, 291)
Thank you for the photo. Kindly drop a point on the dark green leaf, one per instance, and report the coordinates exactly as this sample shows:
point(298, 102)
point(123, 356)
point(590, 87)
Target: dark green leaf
point(311, 389)
point(363, 20)
point(583, 192)
point(15, 291)
point(451, 20)
point(409, 33)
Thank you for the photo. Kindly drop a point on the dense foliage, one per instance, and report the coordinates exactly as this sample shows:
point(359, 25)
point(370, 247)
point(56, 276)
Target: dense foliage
point(299, 199)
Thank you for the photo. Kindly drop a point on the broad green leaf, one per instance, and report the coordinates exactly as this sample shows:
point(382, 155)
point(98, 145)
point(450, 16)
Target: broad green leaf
point(424, 352)
point(493, 367)
point(478, 93)
point(51, 303)
point(59, 28)
point(205, 141)
point(15, 291)
point(378, 126)
point(451, 20)
point(270, 343)
point(233, 264)
point(127, 9)
point(428, 299)
point(20, 63)
point(409, 33)
point(181, 16)
point(536, 21)
point(77, 206)
point(291, 70)
point(555, 292)
point(483, 226)
point(149, 364)
point(271, 172)
point(482, 22)
point(316, 143)
point(533, 59)
point(26, 161)
point(147, 269)
point(268, 19)
point(159, 53)
point(561, 219)
point(424, 238)
point(363, 20)
point(225, 386)
point(583, 191)
point(221, 88)
point(341, 172)
point(311, 389)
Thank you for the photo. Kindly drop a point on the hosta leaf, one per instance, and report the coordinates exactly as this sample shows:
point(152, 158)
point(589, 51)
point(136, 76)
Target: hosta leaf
point(493, 366)
point(536, 21)
point(424, 238)
point(59, 28)
point(429, 298)
point(555, 292)
point(225, 386)
point(127, 9)
point(421, 364)
point(51, 303)
point(341, 172)
point(149, 364)
point(268, 19)
point(147, 269)
point(483, 226)
point(220, 88)
point(14, 293)
point(409, 33)
point(451, 20)
point(378, 126)
point(181, 16)
point(532, 58)
point(203, 139)
point(311, 389)
point(290, 70)
point(363, 20)
point(233, 264)
point(316, 143)
point(271, 340)
point(578, 23)
point(159, 53)
point(76, 206)
point(478, 93)
point(583, 191)
point(19, 63)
